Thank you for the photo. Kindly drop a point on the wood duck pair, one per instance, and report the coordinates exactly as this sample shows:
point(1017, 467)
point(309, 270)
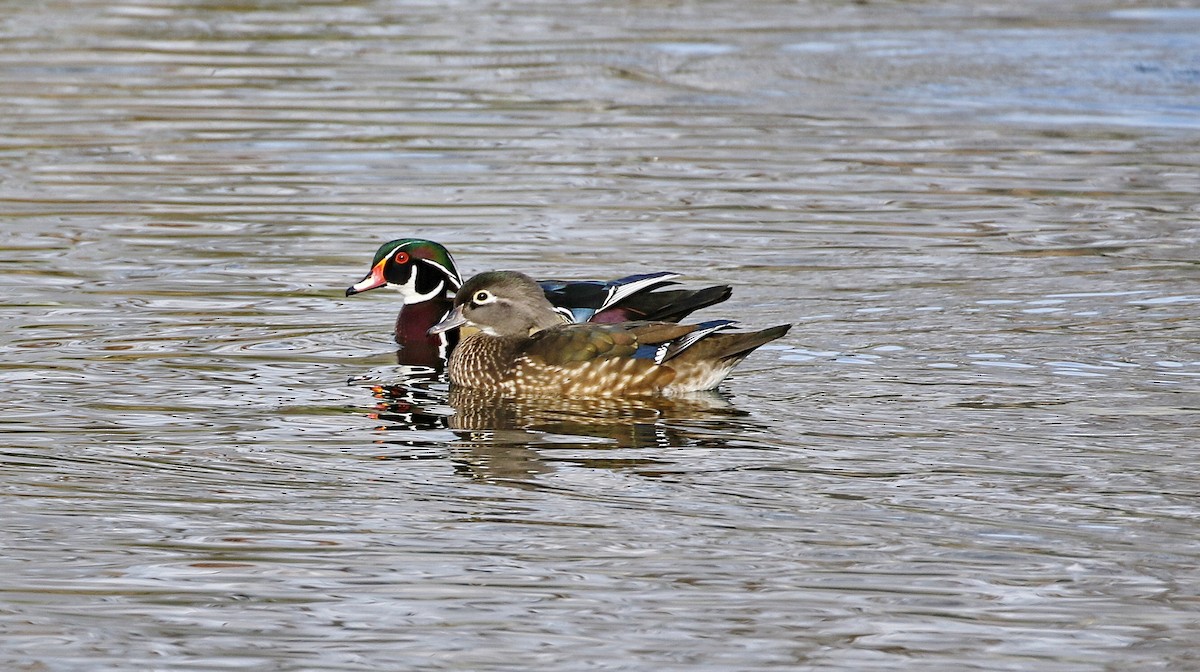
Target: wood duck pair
point(613, 338)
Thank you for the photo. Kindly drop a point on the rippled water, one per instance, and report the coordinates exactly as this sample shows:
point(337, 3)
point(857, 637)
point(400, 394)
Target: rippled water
point(975, 451)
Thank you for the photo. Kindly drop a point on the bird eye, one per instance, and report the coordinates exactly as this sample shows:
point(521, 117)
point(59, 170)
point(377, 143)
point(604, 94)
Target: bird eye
point(482, 296)
point(400, 257)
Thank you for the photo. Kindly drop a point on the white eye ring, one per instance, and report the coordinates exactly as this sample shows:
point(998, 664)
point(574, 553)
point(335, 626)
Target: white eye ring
point(482, 296)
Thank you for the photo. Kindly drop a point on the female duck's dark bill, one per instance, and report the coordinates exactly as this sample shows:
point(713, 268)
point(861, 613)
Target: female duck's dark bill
point(454, 319)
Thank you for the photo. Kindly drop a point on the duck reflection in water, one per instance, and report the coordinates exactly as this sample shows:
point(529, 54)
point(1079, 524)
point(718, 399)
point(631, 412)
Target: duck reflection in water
point(511, 440)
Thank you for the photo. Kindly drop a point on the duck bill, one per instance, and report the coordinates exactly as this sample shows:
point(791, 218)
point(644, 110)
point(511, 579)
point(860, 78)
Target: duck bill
point(454, 320)
point(374, 280)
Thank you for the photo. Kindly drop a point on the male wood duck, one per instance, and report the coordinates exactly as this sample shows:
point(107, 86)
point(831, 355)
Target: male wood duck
point(523, 346)
point(424, 274)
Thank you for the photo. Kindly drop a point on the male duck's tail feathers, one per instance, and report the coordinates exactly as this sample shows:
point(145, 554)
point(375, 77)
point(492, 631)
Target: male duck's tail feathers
point(672, 305)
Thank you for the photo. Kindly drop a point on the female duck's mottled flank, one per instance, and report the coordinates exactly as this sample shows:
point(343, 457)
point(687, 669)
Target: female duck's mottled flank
point(524, 346)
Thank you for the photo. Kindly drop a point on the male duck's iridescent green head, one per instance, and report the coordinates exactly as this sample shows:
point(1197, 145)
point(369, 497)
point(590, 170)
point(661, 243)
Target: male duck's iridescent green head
point(419, 269)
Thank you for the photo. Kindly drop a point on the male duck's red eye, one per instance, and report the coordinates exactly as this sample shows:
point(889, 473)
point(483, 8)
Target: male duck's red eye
point(400, 258)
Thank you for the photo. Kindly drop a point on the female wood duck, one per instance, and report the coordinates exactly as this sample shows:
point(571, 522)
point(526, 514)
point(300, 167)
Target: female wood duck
point(425, 275)
point(525, 347)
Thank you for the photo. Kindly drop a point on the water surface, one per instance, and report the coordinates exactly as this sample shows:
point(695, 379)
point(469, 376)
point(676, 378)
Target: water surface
point(975, 450)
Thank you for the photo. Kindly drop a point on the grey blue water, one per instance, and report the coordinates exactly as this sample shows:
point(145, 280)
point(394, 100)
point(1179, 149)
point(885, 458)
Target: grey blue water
point(976, 450)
